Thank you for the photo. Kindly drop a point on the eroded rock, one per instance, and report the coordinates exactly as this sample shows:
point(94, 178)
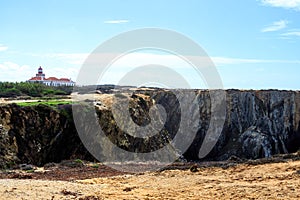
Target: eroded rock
point(258, 124)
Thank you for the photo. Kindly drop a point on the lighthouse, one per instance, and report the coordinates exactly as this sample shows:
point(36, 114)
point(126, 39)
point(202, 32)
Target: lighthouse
point(40, 73)
point(51, 81)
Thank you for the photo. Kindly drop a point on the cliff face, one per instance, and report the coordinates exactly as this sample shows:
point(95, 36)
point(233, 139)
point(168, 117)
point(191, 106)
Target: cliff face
point(258, 124)
point(37, 135)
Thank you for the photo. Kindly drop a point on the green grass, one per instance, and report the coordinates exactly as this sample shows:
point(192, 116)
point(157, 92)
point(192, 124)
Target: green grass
point(95, 165)
point(47, 103)
point(78, 161)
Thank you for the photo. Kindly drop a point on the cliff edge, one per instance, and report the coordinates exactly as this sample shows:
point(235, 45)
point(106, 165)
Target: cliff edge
point(258, 124)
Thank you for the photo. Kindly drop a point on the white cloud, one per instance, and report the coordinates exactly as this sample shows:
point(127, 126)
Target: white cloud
point(71, 58)
point(122, 65)
point(132, 60)
point(288, 4)
point(14, 72)
point(234, 61)
point(221, 61)
point(3, 47)
point(275, 26)
point(62, 72)
point(121, 21)
point(292, 33)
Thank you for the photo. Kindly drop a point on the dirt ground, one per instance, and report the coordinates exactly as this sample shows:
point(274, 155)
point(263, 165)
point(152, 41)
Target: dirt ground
point(241, 181)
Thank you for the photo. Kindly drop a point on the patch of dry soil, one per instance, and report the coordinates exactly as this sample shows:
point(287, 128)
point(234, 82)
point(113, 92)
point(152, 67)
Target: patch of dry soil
point(243, 181)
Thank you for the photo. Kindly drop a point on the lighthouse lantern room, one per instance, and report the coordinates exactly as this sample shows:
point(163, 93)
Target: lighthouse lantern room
point(40, 73)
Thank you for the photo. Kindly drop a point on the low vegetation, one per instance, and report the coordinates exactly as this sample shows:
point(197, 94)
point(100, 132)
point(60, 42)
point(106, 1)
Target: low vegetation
point(50, 103)
point(9, 89)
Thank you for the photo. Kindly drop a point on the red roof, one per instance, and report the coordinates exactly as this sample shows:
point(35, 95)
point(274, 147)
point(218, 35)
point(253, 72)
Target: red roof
point(57, 79)
point(51, 79)
point(37, 78)
point(65, 79)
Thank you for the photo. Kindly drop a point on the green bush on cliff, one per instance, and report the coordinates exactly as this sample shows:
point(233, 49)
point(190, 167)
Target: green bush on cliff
point(9, 89)
point(10, 92)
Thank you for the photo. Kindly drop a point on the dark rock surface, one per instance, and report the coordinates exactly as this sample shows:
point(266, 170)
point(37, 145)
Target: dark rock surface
point(258, 124)
point(37, 135)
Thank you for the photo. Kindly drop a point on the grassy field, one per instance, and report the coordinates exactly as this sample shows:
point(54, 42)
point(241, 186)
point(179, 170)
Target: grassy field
point(46, 102)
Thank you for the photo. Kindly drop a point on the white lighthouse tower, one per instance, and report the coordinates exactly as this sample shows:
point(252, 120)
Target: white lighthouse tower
point(40, 73)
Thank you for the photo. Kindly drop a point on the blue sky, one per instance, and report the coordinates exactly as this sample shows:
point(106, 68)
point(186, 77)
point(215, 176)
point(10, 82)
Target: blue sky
point(255, 44)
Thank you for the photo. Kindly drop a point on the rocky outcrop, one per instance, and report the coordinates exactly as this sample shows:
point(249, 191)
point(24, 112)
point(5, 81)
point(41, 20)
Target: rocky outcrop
point(257, 124)
point(37, 135)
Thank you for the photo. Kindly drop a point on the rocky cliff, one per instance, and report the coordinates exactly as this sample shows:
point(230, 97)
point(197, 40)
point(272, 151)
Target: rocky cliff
point(37, 135)
point(257, 124)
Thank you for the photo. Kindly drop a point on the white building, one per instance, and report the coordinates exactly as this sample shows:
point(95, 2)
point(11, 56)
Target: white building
point(51, 81)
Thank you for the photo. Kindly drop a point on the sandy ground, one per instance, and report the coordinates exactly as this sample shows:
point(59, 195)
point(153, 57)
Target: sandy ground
point(244, 181)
